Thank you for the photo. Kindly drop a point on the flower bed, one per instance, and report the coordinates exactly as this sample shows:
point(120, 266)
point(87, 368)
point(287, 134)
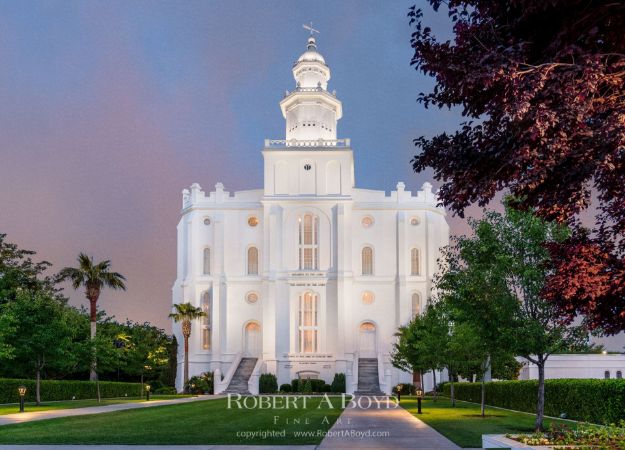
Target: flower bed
point(580, 437)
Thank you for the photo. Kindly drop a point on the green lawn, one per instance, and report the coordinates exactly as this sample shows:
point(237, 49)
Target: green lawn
point(464, 425)
point(201, 422)
point(71, 404)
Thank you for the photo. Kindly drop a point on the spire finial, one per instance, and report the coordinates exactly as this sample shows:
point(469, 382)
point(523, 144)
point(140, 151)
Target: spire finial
point(311, 29)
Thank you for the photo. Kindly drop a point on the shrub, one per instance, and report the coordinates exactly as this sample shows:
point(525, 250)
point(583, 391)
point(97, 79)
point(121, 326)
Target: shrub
point(295, 385)
point(267, 383)
point(338, 383)
point(326, 388)
point(200, 384)
point(317, 385)
point(307, 389)
point(406, 389)
point(52, 390)
point(165, 390)
point(285, 387)
point(590, 400)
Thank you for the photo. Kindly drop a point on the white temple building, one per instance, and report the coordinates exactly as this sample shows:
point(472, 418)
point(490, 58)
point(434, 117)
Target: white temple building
point(308, 275)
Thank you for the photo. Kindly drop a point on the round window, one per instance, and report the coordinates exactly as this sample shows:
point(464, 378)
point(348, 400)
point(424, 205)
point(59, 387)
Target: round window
point(252, 297)
point(367, 221)
point(368, 297)
point(207, 221)
point(414, 221)
point(252, 221)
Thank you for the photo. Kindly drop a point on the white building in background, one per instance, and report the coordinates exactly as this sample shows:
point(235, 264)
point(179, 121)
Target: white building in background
point(589, 365)
point(308, 275)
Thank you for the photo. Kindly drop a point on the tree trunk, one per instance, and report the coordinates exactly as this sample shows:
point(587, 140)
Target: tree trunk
point(434, 380)
point(38, 387)
point(97, 385)
point(142, 388)
point(453, 395)
point(186, 363)
point(540, 405)
point(93, 316)
point(483, 395)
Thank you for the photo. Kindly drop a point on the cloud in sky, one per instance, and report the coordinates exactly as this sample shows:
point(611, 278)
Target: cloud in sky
point(109, 109)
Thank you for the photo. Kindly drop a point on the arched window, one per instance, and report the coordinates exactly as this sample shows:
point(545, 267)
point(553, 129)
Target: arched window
point(415, 268)
point(416, 304)
point(308, 242)
point(207, 320)
point(207, 262)
point(367, 261)
point(606, 374)
point(252, 261)
point(619, 374)
point(308, 322)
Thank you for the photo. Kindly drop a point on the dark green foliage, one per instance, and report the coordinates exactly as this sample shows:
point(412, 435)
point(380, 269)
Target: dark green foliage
point(166, 390)
point(268, 383)
point(406, 389)
point(307, 389)
point(338, 383)
point(326, 388)
point(200, 384)
point(286, 387)
point(52, 390)
point(295, 385)
point(596, 401)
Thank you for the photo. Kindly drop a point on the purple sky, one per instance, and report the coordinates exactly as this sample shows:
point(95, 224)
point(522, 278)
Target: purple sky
point(109, 109)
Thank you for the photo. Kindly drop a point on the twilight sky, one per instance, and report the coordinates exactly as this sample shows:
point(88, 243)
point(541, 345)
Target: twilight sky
point(109, 109)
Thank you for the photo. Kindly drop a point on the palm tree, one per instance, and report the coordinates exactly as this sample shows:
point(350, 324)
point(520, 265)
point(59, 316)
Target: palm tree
point(93, 277)
point(185, 313)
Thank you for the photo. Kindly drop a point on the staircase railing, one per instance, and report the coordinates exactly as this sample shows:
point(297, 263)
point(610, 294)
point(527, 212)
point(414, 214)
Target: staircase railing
point(253, 382)
point(354, 383)
point(222, 385)
point(384, 380)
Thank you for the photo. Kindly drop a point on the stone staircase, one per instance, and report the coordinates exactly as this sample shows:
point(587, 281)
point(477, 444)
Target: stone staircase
point(368, 381)
point(238, 384)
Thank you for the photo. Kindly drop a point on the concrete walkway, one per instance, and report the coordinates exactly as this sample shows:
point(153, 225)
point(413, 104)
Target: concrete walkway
point(382, 426)
point(9, 419)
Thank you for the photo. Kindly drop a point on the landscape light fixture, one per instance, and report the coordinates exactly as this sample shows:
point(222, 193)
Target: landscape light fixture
point(419, 393)
point(147, 392)
point(22, 393)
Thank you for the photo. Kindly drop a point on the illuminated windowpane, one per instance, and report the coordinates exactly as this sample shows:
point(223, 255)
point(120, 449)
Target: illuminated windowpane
point(308, 323)
point(416, 304)
point(414, 262)
point(207, 261)
point(252, 261)
point(367, 261)
point(207, 307)
point(308, 242)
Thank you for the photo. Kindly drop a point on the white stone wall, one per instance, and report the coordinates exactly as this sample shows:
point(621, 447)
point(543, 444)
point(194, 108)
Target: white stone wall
point(576, 366)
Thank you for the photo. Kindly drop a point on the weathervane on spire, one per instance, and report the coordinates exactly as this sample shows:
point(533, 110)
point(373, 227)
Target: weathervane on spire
point(311, 29)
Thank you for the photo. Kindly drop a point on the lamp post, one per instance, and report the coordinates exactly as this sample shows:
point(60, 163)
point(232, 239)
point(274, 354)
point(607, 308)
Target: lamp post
point(22, 392)
point(419, 393)
point(147, 392)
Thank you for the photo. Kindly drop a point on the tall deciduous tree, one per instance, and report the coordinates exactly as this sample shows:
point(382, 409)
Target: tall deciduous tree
point(186, 313)
point(542, 84)
point(93, 277)
point(40, 334)
point(497, 277)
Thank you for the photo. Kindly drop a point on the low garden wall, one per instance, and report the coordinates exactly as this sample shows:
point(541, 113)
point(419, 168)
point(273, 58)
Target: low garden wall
point(590, 400)
point(52, 390)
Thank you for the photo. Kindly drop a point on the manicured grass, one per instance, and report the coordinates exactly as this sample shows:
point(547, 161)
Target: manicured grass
point(199, 423)
point(464, 424)
point(72, 404)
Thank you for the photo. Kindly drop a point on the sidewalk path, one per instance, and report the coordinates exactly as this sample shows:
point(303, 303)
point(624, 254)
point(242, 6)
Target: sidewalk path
point(402, 429)
point(9, 419)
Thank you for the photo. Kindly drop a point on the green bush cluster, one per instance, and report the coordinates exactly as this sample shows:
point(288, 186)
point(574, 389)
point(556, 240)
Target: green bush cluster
point(165, 390)
point(52, 390)
point(338, 383)
point(309, 386)
point(267, 383)
point(589, 400)
point(286, 387)
point(200, 384)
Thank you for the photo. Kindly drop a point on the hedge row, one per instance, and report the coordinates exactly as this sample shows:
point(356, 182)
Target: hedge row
point(596, 401)
point(64, 390)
